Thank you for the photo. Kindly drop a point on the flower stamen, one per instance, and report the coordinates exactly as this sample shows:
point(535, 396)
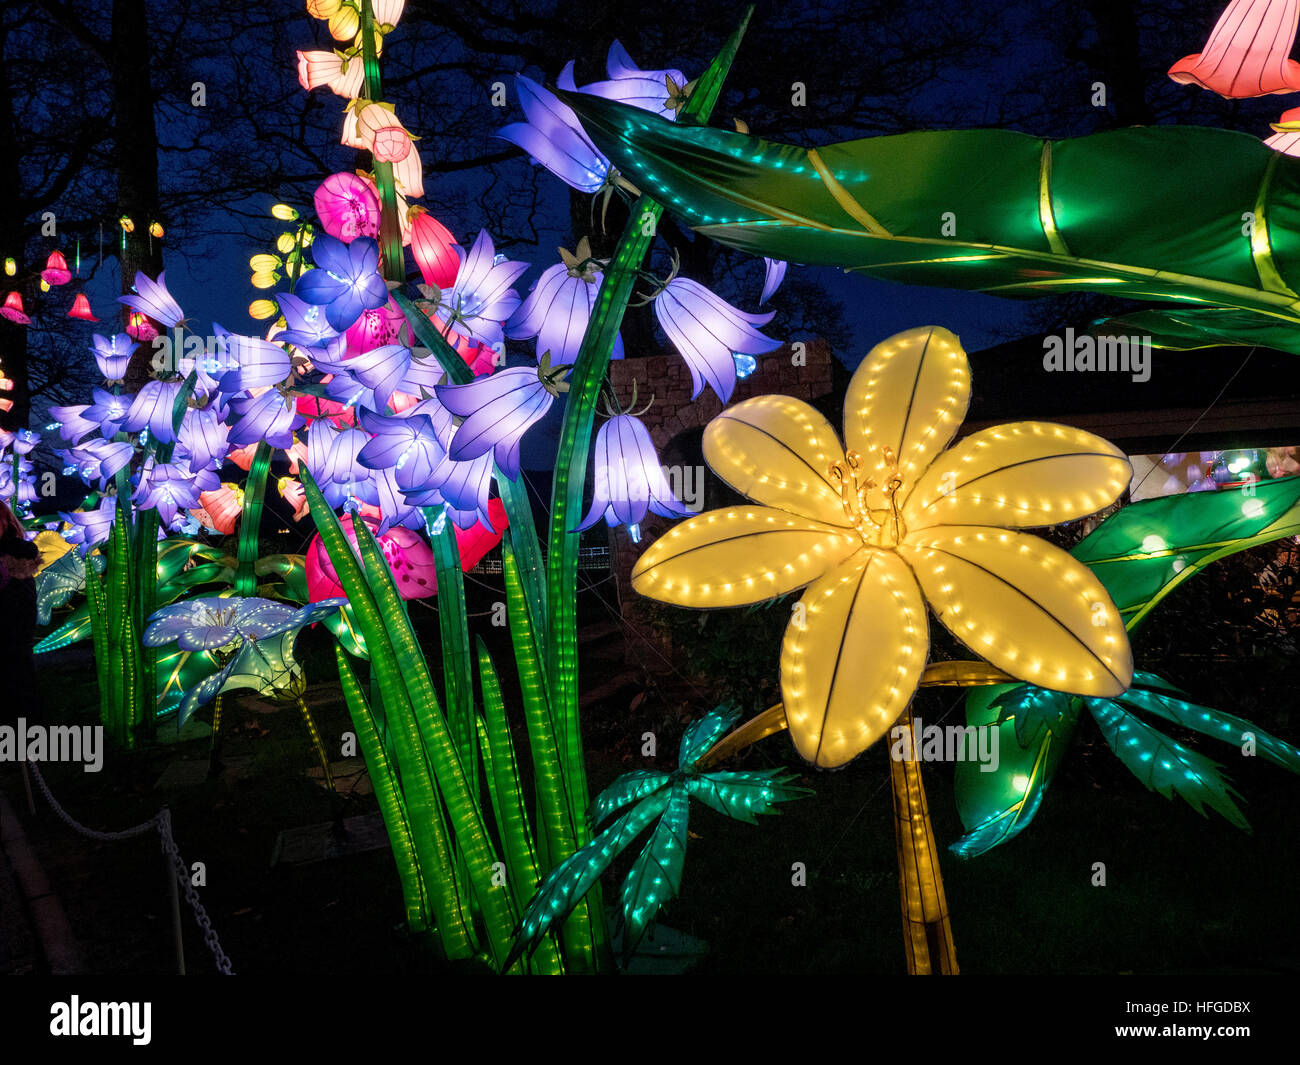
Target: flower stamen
point(873, 509)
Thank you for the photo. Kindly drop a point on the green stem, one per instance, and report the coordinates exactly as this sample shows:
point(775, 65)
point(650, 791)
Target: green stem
point(392, 808)
point(97, 600)
point(392, 262)
point(250, 522)
point(145, 598)
point(462, 807)
point(575, 440)
point(453, 628)
point(512, 820)
point(583, 932)
point(417, 778)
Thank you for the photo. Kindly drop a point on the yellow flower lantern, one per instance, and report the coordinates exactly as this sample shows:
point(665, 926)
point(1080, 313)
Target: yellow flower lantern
point(878, 529)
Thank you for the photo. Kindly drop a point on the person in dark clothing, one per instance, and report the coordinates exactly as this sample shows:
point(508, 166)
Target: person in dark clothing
point(19, 559)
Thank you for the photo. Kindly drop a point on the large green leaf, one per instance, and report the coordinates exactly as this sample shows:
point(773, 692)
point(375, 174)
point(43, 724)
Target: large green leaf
point(997, 806)
point(1143, 552)
point(344, 627)
point(1185, 328)
point(1162, 764)
point(1032, 709)
point(287, 574)
point(1150, 212)
point(177, 554)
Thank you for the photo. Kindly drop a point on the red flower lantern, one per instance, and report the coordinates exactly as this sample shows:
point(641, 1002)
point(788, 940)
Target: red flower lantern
point(13, 309)
point(81, 309)
point(56, 270)
point(313, 407)
point(434, 248)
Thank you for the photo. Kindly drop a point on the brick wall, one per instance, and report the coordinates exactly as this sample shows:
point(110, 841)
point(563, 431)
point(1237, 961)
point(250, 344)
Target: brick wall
point(669, 379)
point(672, 414)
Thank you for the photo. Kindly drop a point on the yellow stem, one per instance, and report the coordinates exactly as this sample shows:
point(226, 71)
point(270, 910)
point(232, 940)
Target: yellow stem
point(927, 931)
point(315, 738)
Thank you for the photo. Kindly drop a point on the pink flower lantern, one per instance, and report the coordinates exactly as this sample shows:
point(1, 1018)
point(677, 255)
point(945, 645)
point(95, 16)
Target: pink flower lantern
point(327, 68)
point(1248, 53)
point(408, 556)
point(348, 207)
point(293, 493)
point(392, 144)
point(221, 508)
point(375, 328)
point(139, 328)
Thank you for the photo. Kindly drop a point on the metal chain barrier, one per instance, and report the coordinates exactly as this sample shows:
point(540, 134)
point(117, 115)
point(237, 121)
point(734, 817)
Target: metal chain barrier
point(162, 822)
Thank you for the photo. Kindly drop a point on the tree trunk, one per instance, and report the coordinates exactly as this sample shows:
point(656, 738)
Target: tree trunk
point(136, 136)
point(13, 337)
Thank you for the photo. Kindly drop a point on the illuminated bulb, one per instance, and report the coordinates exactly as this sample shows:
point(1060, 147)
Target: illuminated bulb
point(1153, 543)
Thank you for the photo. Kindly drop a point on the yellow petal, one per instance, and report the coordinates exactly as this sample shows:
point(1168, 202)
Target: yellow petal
point(910, 395)
point(850, 669)
point(1020, 475)
point(1023, 605)
point(344, 23)
point(737, 556)
point(52, 547)
point(778, 451)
